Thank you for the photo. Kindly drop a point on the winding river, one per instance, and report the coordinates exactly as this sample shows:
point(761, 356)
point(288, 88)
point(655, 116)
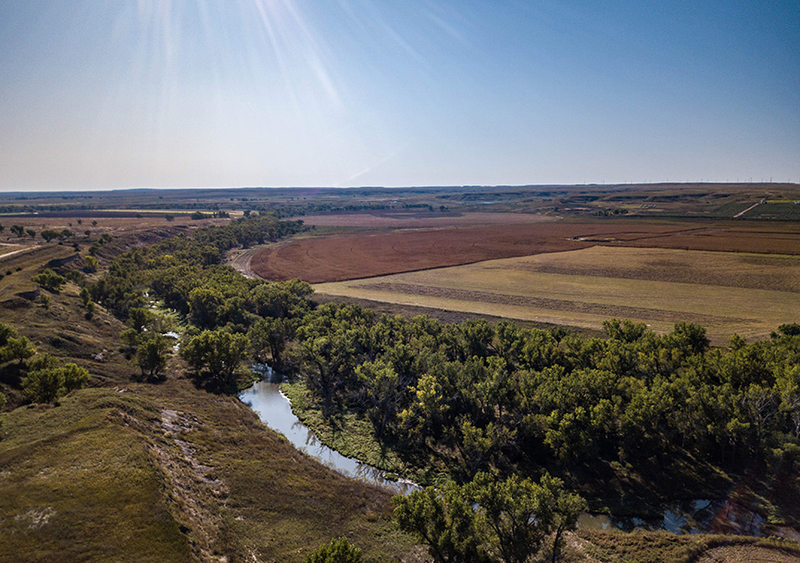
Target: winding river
point(275, 410)
point(694, 516)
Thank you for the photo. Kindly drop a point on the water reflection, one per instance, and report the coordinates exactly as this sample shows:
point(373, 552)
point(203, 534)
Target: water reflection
point(686, 517)
point(274, 409)
point(681, 517)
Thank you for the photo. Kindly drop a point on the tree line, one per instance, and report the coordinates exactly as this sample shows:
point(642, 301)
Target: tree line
point(470, 400)
point(471, 396)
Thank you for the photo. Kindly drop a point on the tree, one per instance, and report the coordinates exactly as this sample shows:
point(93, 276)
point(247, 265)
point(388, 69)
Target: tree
point(445, 521)
point(383, 394)
point(204, 304)
point(6, 333)
point(790, 329)
point(214, 355)
point(339, 550)
point(564, 507)
point(46, 381)
point(139, 318)
point(690, 336)
point(516, 512)
point(18, 230)
point(31, 233)
point(268, 339)
point(152, 356)
point(49, 234)
point(625, 330)
point(169, 217)
point(49, 280)
point(74, 377)
point(43, 385)
point(17, 348)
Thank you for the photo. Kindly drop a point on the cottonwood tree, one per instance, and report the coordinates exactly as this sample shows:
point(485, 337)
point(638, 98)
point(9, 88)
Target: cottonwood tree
point(445, 521)
point(49, 280)
point(45, 381)
point(268, 340)
point(152, 356)
point(215, 355)
point(490, 519)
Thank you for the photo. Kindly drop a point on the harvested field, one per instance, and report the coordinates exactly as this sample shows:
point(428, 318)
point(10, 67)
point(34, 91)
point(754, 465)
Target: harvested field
point(416, 219)
point(368, 254)
point(755, 271)
point(585, 287)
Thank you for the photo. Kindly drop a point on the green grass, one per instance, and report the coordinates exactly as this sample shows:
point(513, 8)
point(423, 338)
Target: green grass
point(98, 478)
point(77, 484)
point(348, 434)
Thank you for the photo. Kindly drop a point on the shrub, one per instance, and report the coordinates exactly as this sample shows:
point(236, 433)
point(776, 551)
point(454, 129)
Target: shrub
point(45, 382)
point(339, 550)
point(43, 385)
point(49, 280)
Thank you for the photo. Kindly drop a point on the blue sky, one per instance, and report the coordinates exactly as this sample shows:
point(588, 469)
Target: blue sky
point(168, 93)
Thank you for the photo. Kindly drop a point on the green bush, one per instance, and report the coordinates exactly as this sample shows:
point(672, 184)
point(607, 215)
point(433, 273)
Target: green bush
point(49, 280)
point(339, 550)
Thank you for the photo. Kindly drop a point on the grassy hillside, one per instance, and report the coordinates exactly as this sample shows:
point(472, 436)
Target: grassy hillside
point(123, 471)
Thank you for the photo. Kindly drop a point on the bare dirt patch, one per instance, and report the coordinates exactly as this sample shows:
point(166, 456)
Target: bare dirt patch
point(369, 254)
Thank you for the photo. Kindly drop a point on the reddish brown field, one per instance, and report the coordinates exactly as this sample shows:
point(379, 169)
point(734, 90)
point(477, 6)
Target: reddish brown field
point(362, 255)
point(416, 219)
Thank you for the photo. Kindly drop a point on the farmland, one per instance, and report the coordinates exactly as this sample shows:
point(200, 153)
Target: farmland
point(747, 294)
point(375, 253)
point(200, 477)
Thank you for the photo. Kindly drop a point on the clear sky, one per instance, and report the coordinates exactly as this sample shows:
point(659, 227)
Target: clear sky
point(170, 93)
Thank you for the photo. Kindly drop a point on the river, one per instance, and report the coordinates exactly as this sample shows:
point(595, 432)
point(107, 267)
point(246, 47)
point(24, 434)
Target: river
point(692, 516)
point(275, 410)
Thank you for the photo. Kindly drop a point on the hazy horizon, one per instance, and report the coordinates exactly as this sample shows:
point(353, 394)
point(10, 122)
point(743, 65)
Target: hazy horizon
point(279, 93)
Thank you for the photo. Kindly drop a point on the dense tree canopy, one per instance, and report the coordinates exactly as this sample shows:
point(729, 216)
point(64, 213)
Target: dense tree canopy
point(472, 397)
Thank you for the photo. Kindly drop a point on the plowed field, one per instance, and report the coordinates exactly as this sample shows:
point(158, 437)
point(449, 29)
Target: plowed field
point(585, 287)
point(362, 255)
point(405, 218)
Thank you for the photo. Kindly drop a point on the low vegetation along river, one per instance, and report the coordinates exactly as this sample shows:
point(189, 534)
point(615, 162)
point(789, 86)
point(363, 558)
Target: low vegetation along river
point(275, 410)
point(695, 516)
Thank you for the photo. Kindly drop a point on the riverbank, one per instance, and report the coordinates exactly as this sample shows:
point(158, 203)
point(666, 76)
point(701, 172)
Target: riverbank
point(599, 537)
point(750, 508)
point(347, 434)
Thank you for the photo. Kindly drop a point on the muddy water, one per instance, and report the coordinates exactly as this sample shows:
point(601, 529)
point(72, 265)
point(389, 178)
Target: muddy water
point(275, 410)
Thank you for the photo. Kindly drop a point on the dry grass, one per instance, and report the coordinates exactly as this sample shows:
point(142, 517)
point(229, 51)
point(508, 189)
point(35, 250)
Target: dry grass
point(728, 293)
point(136, 472)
